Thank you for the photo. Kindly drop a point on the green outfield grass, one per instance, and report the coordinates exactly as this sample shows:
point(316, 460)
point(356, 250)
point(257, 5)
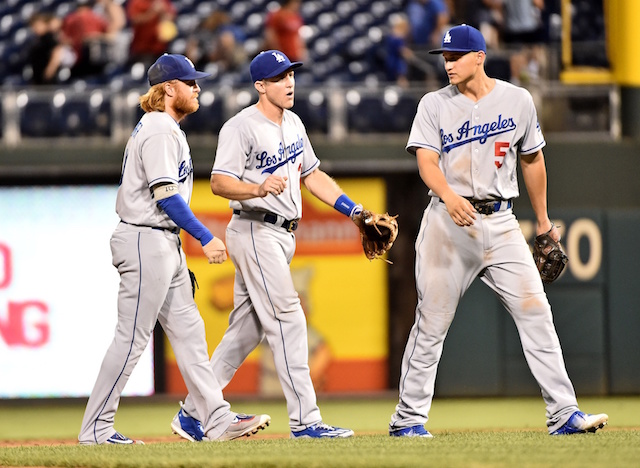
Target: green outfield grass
point(469, 432)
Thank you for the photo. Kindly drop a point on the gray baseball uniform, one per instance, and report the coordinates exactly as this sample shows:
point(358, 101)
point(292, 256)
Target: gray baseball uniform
point(478, 143)
point(154, 282)
point(266, 304)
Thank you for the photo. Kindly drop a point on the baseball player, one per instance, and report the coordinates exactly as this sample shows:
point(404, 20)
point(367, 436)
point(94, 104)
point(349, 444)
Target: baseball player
point(263, 156)
point(467, 138)
point(153, 205)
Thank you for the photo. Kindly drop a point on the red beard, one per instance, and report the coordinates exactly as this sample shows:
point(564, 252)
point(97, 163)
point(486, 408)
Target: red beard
point(185, 105)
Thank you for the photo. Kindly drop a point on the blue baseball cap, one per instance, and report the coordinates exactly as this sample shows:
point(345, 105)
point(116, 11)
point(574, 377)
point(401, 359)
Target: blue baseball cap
point(270, 63)
point(462, 38)
point(173, 67)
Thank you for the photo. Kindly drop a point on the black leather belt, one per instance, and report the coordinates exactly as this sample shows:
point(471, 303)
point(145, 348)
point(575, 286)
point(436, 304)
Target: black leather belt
point(175, 230)
point(487, 207)
point(271, 218)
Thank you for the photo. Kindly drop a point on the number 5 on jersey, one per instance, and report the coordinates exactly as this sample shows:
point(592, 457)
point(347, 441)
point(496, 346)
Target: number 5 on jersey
point(500, 152)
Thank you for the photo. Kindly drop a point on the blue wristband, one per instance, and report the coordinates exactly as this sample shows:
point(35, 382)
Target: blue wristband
point(346, 206)
point(181, 214)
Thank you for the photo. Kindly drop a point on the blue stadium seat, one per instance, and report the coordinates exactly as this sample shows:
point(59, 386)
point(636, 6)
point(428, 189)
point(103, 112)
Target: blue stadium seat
point(342, 49)
point(86, 116)
point(208, 119)
point(311, 9)
point(184, 6)
point(498, 67)
point(391, 113)
point(40, 118)
point(312, 108)
point(362, 21)
point(338, 28)
point(76, 118)
point(66, 114)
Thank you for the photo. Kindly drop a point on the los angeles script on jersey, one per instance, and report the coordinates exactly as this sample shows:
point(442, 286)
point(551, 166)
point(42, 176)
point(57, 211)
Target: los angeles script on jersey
point(185, 169)
point(467, 133)
point(269, 163)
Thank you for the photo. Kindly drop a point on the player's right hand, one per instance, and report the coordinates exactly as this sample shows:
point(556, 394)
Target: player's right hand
point(215, 251)
point(460, 209)
point(273, 184)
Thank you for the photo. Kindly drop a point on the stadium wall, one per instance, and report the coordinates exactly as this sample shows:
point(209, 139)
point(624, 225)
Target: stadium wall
point(593, 191)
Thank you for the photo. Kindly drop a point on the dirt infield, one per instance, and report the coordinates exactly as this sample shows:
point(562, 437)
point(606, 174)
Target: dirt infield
point(49, 442)
point(147, 441)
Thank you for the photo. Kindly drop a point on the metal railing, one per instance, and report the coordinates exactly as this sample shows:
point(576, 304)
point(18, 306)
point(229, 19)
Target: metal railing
point(336, 113)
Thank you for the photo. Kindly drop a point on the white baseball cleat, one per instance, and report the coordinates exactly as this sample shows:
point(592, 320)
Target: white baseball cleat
point(245, 425)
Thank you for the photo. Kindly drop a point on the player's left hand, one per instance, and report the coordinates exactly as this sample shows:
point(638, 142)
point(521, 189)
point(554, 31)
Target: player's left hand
point(549, 228)
point(215, 251)
point(378, 232)
point(548, 254)
point(460, 209)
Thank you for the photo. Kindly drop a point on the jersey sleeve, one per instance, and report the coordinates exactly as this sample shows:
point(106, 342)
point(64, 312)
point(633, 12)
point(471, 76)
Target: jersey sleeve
point(425, 130)
point(232, 142)
point(160, 158)
point(533, 140)
point(310, 161)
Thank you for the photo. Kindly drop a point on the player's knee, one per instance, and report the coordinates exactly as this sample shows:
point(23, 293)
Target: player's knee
point(536, 304)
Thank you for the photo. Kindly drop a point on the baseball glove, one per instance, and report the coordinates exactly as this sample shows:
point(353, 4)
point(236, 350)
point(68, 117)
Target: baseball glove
point(549, 257)
point(377, 233)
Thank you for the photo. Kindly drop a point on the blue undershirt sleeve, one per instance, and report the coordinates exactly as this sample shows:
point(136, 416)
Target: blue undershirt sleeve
point(181, 214)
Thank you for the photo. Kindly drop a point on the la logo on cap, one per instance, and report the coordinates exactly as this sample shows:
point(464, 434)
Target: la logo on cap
point(447, 38)
point(279, 57)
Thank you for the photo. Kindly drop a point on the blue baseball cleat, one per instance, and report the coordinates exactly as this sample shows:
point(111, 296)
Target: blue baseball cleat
point(579, 423)
point(119, 439)
point(322, 431)
point(413, 431)
point(187, 426)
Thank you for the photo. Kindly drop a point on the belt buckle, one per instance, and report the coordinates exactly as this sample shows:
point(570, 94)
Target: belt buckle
point(290, 226)
point(485, 208)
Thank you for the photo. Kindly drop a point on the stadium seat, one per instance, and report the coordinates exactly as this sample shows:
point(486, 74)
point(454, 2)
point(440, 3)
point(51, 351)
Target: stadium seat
point(86, 115)
point(39, 118)
point(312, 108)
point(335, 28)
point(498, 67)
point(390, 112)
point(343, 37)
point(209, 118)
point(76, 118)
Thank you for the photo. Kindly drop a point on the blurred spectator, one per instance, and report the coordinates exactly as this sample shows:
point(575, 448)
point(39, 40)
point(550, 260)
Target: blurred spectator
point(523, 21)
point(219, 41)
point(454, 11)
point(46, 52)
point(524, 32)
point(92, 34)
point(397, 52)
point(283, 30)
point(153, 29)
point(428, 20)
point(486, 16)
